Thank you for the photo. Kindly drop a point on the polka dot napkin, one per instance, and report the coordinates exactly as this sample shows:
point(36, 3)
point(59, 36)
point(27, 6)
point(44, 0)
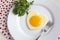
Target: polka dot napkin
point(5, 6)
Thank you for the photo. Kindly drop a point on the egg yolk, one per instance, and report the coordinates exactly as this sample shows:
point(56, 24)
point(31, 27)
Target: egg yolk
point(35, 21)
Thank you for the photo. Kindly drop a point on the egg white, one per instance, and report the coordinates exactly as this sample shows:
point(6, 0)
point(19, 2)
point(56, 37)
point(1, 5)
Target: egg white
point(45, 19)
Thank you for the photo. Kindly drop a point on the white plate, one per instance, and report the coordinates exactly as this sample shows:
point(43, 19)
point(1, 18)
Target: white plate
point(18, 29)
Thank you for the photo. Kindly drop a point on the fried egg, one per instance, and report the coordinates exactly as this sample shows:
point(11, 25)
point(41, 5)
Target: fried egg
point(36, 20)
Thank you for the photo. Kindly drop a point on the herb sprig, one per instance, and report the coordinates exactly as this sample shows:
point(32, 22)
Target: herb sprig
point(21, 7)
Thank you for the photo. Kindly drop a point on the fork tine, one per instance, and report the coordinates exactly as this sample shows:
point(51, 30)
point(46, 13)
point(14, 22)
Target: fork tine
point(49, 24)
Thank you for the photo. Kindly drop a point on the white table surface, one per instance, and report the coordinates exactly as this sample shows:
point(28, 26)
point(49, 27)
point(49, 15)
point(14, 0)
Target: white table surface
point(54, 6)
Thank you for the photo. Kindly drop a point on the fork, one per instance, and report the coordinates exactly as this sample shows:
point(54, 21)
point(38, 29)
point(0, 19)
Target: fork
point(49, 25)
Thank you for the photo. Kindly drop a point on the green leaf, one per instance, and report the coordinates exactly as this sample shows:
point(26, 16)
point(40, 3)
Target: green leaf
point(21, 7)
